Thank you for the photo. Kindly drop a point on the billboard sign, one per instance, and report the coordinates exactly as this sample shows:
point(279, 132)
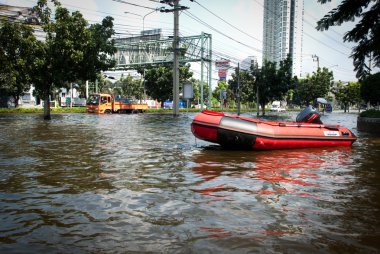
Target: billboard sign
point(222, 73)
point(19, 14)
point(222, 64)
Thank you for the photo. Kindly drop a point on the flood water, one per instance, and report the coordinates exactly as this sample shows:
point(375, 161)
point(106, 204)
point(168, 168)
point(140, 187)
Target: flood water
point(142, 183)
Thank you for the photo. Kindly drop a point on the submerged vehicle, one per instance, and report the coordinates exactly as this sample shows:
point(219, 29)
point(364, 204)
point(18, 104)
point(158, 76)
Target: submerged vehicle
point(107, 104)
point(237, 132)
point(277, 107)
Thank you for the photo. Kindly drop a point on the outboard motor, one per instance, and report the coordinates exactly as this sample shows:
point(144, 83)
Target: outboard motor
point(309, 115)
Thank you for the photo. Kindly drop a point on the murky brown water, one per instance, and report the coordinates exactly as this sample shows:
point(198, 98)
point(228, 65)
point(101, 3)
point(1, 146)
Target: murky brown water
point(142, 183)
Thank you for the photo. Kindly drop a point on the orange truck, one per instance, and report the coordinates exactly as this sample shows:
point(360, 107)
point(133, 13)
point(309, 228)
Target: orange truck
point(107, 104)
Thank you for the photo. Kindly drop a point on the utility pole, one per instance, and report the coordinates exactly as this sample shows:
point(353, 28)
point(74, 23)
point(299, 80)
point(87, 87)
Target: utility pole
point(316, 60)
point(175, 10)
point(257, 100)
point(175, 61)
point(238, 90)
point(209, 73)
point(256, 73)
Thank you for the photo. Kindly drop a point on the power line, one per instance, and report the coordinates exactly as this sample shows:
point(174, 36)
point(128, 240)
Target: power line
point(228, 22)
point(128, 30)
point(154, 1)
point(220, 46)
point(312, 37)
point(192, 16)
point(329, 46)
point(137, 5)
point(316, 20)
point(333, 39)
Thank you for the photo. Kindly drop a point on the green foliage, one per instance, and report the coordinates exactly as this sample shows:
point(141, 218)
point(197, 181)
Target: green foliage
point(273, 83)
point(246, 81)
point(159, 81)
point(221, 86)
point(39, 110)
point(313, 87)
point(129, 87)
point(69, 110)
point(370, 89)
point(98, 49)
point(366, 32)
point(347, 94)
point(17, 58)
point(197, 91)
point(104, 85)
point(71, 51)
point(372, 113)
point(19, 110)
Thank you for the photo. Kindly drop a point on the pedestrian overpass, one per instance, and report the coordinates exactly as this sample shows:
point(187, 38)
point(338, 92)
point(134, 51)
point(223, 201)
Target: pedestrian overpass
point(140, 51)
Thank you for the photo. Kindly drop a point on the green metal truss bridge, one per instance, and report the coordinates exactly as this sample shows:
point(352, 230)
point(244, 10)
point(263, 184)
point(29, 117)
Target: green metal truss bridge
point(141, 51)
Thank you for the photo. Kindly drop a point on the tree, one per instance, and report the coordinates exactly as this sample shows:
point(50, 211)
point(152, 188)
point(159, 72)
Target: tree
point(159, 81)
point(17, 57)
point(272, 83)
point(71, 50)
point(313, 87)
point(366, 32)
point(370, 89)
point(302, 95)
point(347, 94)
point(222, 85)
point(246, 86)
point(197, 91)
point(130, 88)
point(97, 49)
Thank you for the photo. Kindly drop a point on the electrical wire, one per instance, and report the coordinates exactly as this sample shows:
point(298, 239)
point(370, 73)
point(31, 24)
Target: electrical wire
point(137, 5)
point(333, 39)
point(312, 37)
point(192, 16)
point(238, 29)
point(325, 44)
point(330, 29)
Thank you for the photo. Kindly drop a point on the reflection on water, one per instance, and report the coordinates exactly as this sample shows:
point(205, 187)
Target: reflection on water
point(124, 183)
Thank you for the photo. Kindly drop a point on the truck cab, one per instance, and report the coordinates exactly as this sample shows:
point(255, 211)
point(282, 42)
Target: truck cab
point(99, 104)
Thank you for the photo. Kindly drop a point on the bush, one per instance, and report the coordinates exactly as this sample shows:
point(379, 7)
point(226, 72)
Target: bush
point(372, 113)
point(69, 110)
point(20, 110)
point(370, 88)
point(41, 110)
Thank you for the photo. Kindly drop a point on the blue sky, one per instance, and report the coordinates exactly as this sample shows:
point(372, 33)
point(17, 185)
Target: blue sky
point(246, 15)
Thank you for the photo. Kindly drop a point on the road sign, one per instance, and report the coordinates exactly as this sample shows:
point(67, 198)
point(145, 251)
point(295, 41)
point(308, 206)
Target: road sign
point(188, 91)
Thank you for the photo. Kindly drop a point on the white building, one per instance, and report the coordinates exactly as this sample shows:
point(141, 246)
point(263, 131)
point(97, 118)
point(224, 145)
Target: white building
point(283, 28)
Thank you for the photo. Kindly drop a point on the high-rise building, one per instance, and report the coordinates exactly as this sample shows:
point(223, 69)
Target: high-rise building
point(283, 27)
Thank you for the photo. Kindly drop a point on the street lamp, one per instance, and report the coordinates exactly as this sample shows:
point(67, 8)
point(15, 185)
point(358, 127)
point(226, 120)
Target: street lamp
point(145, 17)
point(127, 12)
point(155, 10)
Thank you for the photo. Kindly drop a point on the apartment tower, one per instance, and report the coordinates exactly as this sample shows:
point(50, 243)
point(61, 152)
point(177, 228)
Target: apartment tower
point(283, 26)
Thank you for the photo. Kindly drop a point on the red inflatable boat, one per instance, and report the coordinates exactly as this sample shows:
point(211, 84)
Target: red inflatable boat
point(239, 132)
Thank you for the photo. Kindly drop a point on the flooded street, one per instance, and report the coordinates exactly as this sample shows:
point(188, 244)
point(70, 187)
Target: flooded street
point(142, 183)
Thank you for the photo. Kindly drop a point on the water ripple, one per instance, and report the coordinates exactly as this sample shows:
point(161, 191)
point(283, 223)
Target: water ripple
point(142, 183)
